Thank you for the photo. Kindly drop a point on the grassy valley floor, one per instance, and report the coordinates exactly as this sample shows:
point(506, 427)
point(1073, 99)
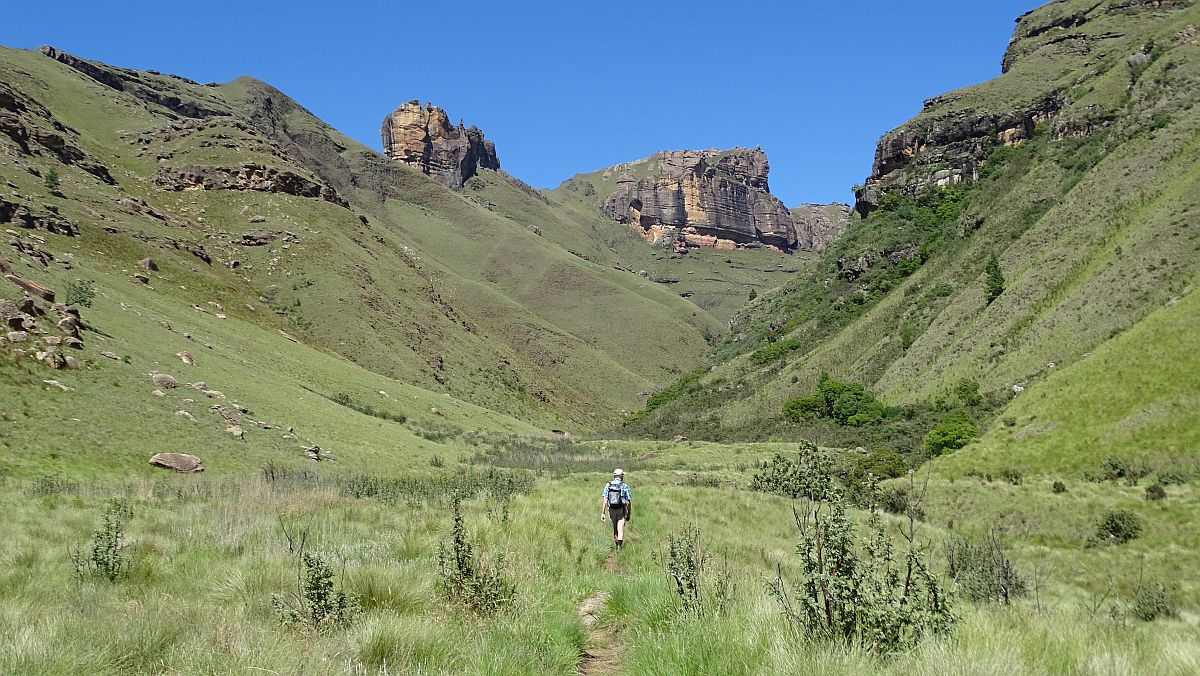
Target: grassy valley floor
point(208, 555)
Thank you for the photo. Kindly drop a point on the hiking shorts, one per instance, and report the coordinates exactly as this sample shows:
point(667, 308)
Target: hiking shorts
point(616, 514)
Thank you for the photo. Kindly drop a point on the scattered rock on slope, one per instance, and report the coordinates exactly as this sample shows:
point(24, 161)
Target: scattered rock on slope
point(180, 462)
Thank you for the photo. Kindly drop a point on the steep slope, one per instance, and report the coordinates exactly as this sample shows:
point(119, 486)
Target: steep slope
point(1077, 168)
point(1134, 398)
point(368, 259)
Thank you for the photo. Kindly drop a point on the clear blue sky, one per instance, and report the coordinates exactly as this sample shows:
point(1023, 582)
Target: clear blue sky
point(565, 86)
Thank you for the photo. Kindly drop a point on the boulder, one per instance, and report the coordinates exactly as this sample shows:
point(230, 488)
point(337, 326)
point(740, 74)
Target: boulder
point(186, 357)
point(147, 264)
point(180, 462)
point(140, 278)
point(31, 287)
point(17, 336)
point(111, 355)
point(164, 381)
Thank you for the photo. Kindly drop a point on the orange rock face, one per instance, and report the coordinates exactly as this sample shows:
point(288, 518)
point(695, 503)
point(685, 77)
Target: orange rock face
point(422, 137)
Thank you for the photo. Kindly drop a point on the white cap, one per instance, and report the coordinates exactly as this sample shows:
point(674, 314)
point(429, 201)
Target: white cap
point(618, 472)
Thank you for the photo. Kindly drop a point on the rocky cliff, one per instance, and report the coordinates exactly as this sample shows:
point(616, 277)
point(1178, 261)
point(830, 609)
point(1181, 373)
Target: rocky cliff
point(819, 225)
point(421, 136)
point(1062, 63)
point(701, 198)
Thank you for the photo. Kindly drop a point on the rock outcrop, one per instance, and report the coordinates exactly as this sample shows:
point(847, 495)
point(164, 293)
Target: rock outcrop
point(819, 225)
point(942, 150)
point(169, 91)
point(698, 198)
point(947, 142)
point(421, 136)
point(249, 176)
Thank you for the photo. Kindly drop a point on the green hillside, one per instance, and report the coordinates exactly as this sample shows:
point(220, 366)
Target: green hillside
point(411, 281)
point(961, 440)
point(1091, 216)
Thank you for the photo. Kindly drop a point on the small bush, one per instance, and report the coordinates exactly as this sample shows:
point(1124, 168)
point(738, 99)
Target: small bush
point(436, 461)
point(53, 485)
point(1118, 527)
point(809, 476)
point(687, 563)
point(1155, 492)
point(50, 179)
point(853, 591)
point(1169, 477)
point(1153, 601)
point(80, 292)
point(343, 399)
point(468, 580)
point(983, 570)
point(1012, 476)
point(953, 432)
point(107, 555)
point(1059, 487)
point(1117, 468)
point(316, 604)
point(967, 391)
point(995, 278)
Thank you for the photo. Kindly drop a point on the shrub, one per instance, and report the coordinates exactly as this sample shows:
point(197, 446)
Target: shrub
point(809, 476)
point(774, 351)
point(1155, 492)
point(107, 555)
point(844, 403)
point(343, 399)
point(1118, 527)
point(1012, 476)
point(1171, 477)
point(995, 278)
point(437, 461)
point(80, 292)
point(687, 563)
point(900, 501)
point(967, 391)
point(1153, 601)
point(686, 383)
point(983, 570)
point(853, 592)
point(883, 463)
point(953, 432)
point(468, 580)
point(50, 179)
point(316, 604)
point(1058, 487)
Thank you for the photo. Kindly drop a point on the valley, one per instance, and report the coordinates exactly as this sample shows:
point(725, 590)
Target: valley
point(274, 400)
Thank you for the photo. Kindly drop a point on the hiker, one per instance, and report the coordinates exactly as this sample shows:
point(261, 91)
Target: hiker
point(617, 501)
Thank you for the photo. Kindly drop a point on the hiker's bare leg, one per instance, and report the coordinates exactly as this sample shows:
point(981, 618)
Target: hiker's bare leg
point(621, 529)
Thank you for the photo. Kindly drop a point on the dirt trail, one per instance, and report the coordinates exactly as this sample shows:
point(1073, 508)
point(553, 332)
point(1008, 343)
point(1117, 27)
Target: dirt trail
point(603, 653)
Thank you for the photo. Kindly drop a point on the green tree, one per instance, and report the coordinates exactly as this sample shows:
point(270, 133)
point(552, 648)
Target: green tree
point(954, 431)
point(995, 278)
point(844, 403)
point(51, 179)
point(753, 293)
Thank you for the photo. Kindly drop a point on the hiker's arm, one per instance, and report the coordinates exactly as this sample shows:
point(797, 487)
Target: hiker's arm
point(629, 510)
point(603, 504)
